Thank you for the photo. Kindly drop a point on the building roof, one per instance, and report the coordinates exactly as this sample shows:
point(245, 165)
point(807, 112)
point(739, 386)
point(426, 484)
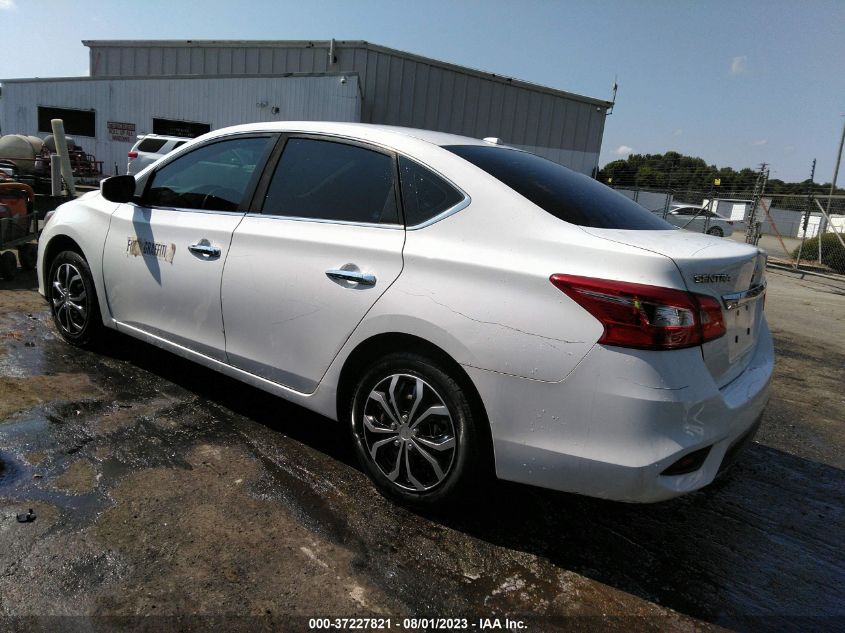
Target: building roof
point(343, 44)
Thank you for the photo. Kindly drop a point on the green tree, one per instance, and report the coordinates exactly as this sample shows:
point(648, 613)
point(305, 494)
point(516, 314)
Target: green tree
point(673, 170)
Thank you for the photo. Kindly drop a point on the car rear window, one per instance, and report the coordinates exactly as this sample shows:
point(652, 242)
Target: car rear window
point(151, 144)
point(565, 194)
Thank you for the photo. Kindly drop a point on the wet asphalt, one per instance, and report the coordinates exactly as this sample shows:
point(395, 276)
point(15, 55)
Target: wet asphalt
point(164, 492)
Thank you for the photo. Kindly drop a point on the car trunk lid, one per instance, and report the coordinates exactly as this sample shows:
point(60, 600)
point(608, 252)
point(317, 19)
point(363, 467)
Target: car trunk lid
point(732, 272)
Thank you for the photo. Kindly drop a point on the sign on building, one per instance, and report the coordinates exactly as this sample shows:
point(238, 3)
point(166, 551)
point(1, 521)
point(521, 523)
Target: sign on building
point(123, 132)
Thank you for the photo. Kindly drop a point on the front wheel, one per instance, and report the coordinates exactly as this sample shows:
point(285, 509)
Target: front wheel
point(717, 231)
point(415, 432)
point(73, 299)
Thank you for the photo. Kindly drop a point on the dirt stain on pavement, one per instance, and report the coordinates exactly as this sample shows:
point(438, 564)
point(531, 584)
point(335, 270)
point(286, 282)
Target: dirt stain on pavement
point(79, 478)
point(19, 393)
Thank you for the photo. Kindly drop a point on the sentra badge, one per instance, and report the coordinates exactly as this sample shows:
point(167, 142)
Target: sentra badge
point(136, 247)
point(708, 278)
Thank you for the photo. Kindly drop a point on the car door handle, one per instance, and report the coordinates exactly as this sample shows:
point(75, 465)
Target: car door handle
point(204, 248)
point(352, 275)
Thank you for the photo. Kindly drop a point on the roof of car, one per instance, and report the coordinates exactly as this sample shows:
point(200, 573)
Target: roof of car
point(364, 131)
point(141, 137)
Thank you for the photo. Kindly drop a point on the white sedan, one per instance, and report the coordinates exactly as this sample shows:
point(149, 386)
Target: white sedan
point(466, 307)
point(700, 219)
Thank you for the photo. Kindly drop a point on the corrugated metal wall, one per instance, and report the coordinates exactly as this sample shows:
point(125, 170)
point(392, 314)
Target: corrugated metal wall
point(397, 89)
point(217, 101)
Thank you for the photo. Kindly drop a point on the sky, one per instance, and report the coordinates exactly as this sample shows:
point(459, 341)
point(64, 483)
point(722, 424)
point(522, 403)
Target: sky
point(737, 83)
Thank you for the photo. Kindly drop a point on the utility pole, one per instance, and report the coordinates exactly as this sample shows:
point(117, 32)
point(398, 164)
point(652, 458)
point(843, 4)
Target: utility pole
point(822, 226)
point(806, 212)
point(752, 229)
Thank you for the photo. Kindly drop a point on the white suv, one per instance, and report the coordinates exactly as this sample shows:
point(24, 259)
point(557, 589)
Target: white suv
point(149, 148)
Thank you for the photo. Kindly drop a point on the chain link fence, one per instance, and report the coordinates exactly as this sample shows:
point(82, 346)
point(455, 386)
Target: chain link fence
point(806, 233)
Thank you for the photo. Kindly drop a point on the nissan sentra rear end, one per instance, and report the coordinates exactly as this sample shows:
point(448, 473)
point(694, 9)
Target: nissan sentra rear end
point(678, 375)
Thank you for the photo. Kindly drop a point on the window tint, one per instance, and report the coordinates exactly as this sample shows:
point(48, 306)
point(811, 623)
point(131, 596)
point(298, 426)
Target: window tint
point(212, 177)
point(567, 195)
point(424, 194)
point(151, 144)
point(332, 181)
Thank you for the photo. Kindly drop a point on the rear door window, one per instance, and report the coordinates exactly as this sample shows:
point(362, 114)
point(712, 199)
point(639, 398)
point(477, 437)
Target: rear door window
point(328, 180)
point(567, 195)
point(425, 195)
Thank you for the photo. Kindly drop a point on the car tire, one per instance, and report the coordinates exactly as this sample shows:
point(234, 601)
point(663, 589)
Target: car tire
point(73, 300)
point(8, 265)
point(716, 230)
point(415, 431)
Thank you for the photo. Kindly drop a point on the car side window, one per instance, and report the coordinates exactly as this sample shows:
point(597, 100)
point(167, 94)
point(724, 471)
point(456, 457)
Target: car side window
point(327, 180)
point(424, 194)
point(212, 177)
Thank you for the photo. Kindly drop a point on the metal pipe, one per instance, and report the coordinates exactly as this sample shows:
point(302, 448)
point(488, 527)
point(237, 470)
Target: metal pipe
point(61, 147)
point(55, 175)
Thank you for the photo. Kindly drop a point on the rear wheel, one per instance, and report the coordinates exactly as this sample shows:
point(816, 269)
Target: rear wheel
point(73, 299)
point(415, 432)
point(716, 230)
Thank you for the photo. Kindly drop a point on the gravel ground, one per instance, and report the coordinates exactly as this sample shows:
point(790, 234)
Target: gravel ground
point(171, 498)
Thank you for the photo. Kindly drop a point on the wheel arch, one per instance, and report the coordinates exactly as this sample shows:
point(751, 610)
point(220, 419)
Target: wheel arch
point(56, 245)
point(379, 345)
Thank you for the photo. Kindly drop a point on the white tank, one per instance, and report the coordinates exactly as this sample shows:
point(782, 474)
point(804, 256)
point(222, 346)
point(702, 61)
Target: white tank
point(17, 148)
point(37, 143)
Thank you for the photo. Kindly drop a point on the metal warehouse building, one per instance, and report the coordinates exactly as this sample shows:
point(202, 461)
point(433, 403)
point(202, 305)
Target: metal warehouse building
point(193, 86)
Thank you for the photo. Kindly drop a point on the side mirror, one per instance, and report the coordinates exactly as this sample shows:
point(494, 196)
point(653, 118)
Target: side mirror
point(118, 188)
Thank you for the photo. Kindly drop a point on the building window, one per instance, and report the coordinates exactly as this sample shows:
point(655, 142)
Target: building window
point(187, 129)
point(76, 122)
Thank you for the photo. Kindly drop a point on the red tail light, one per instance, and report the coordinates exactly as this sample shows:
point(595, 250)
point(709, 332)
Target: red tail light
point(132, 154)
point(645, 317)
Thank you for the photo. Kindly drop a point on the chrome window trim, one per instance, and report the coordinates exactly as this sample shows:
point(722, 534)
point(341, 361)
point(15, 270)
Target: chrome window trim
point(296, 218)
point(460, 206)
point(737, 299)
point(189, 210)
point(440, 216)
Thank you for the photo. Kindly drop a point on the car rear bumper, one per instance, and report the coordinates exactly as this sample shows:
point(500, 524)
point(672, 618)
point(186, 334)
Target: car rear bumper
point(621, 418)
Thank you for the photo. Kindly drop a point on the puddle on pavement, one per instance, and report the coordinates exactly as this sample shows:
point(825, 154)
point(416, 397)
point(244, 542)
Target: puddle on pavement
point(12, 471)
